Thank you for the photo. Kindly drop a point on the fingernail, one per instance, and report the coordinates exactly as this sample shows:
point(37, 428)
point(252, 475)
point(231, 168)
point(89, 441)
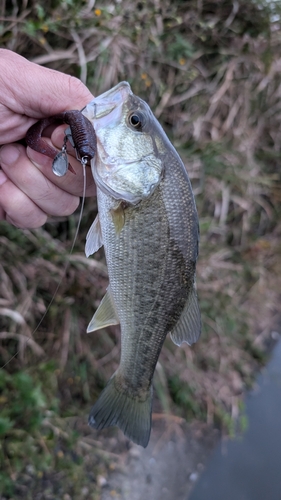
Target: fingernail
point(9, 155)
point(3, 177)
point(38, 159)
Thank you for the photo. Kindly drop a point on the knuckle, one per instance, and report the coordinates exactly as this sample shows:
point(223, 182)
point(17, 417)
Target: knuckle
point(29, 219)
point(71, 207)
point(67, 207)
point(77, 89)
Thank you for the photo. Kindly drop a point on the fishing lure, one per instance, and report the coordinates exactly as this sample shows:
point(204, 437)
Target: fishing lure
point(80, 134)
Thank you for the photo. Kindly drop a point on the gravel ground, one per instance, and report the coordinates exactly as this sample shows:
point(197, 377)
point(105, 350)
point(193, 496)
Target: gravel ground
point(167, 469)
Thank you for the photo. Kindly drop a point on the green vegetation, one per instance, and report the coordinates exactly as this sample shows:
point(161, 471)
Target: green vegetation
point(211, 73)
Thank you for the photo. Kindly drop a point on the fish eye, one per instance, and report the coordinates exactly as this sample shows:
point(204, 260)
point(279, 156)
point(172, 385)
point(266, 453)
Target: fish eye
point(136, 120)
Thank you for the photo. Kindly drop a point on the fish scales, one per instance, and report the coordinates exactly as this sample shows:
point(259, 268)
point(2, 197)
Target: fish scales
point(151, 261)
point(150, 303)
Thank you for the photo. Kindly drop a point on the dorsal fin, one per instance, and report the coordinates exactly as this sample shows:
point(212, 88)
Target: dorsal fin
point(188, 327)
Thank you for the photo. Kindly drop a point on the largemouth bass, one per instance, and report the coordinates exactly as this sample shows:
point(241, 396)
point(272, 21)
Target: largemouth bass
point(148, 224)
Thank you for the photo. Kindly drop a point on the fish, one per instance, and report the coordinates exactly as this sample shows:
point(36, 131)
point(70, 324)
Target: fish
point(148, 224)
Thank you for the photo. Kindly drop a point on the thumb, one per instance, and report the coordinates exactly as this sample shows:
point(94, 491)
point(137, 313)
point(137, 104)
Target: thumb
point(35, 91)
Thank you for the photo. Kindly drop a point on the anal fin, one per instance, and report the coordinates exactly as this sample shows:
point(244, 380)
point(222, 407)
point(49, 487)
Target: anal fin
point(105, 314)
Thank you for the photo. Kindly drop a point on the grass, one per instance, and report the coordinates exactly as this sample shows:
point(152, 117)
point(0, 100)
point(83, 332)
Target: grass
point(211, 75)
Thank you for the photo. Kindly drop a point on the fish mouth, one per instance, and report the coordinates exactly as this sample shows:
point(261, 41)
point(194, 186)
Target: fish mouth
point(106, 103)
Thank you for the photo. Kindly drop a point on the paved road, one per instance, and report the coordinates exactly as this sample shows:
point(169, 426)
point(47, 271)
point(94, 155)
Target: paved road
point(250, 468)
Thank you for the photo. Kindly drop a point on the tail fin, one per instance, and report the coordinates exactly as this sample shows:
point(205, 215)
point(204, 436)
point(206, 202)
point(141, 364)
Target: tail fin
point(132, 416)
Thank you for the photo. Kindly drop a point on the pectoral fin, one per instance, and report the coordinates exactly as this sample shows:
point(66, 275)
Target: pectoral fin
point(93, 238)
point(118, 217)
point(105, 314)
point(188, 328)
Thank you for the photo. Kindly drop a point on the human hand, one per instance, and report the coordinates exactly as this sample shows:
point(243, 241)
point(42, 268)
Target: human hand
point(29, 191)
